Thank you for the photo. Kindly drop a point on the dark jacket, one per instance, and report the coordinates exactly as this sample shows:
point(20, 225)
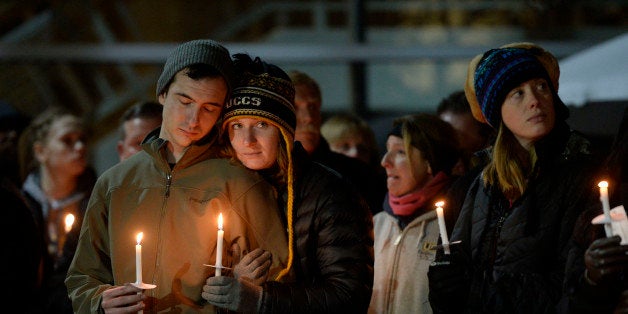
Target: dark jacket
point(22, 244)
point(333, 232)
point(580, 296)
point(516, 253)
point(56, 261)
point(370, 182)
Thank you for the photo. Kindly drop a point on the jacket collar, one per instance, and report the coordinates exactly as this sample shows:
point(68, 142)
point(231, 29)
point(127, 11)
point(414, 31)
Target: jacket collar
point(204, 149)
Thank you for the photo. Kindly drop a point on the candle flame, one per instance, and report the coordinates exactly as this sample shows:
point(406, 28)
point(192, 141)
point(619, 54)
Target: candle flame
point(139, 237)
point(69, 221)
point(603, 184)
point(440, 204)
point(220, 221)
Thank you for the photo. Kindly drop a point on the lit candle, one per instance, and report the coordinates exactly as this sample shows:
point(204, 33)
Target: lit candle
point(221, 234)
point(442, 227)
point(69, 221)
point(606, 207)
point(138, 258)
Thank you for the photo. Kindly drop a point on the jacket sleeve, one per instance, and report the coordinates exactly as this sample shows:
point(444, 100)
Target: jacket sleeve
point(338, 227)
point(90, 271)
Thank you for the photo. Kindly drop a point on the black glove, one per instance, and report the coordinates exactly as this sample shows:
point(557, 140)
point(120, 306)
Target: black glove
point(605, 260)
point(448, 281)
point(240, 295)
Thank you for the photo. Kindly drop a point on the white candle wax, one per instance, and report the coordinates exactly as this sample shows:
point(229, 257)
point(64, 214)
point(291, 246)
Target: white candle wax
point(606, 208)
point(442, 227)
point(219, 240)
point(138, 259)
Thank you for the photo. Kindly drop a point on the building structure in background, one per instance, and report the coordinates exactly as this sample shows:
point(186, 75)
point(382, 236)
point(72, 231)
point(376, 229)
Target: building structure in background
point(99, 57)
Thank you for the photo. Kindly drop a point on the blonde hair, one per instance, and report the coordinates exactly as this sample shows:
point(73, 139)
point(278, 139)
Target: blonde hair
point(38, 131)
point(434, 138)
point(511, 165)
point(407, 137)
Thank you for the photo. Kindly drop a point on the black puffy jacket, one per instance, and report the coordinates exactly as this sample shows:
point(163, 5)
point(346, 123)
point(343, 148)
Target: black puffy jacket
point(517, 252)
point(333, 236)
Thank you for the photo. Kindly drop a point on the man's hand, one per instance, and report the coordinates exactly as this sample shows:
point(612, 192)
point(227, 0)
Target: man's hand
point(122, 299)
point(235, 294)
point(605, 259)
point(254, 266)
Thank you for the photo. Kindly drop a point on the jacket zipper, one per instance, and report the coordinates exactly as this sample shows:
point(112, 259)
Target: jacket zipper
point(498, 229)
point(168, 182)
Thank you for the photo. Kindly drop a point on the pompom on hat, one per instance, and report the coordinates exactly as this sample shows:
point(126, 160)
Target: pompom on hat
point(203, 51)
point(491, 75)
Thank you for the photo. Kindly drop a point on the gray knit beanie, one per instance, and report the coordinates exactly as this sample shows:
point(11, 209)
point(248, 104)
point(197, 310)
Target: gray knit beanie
point(205, 51)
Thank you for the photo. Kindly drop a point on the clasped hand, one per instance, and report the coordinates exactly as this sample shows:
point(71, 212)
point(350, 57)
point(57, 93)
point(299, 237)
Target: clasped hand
point(243, 291)
point(122, 299)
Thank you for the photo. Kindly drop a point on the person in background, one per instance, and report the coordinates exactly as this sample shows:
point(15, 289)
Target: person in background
point(420, 153)
point(174, 191)
point(350, 135)
point(136, 122)
point(519, 213)
point(474, 138)
point(329, 225)
point(473, 135)
point(20, 266)
point(53, 154)
point(598, 266)
point(308, 101)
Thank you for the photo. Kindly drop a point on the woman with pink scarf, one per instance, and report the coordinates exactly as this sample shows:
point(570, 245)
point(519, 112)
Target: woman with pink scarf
point(421, 150)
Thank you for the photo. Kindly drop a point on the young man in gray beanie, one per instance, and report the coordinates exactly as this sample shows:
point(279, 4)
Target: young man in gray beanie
point(173, 192)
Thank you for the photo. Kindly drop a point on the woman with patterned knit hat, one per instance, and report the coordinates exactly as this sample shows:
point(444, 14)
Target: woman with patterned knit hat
point(329, 225)
point(519, 213)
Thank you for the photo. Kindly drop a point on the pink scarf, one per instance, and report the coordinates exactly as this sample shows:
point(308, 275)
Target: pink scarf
point(407, 204)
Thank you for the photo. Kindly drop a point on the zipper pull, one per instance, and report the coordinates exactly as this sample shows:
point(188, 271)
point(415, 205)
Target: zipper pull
point(397, 240)
point(168, 182)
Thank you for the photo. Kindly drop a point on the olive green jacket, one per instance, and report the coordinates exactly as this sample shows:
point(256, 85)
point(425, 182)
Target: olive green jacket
point(177, 210)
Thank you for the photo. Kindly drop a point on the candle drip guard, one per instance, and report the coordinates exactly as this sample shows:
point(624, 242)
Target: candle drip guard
point(144, 286)
point(442, 258)
point(220, 267)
